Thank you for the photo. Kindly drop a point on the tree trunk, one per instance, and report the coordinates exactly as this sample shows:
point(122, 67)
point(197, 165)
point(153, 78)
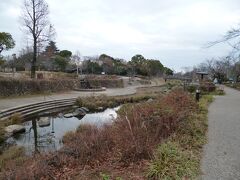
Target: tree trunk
point(33, 68)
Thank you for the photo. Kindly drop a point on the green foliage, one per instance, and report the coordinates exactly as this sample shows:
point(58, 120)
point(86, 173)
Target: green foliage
point(51, 49)
point(61, 62)
point(168, 71)
point(138, 59)
point(155, 67)
point(120, 68)
point(146, 67)
point(104, 176)
point(139, 65)
point(191, 88)
point(93, 67)
point(203, 104)
point(171, 162)
point(65, 53)
point(6, 40)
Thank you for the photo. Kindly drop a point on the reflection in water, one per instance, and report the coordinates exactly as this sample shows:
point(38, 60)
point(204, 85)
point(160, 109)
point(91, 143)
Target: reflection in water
point(34, 128)
point(49, 138)
point(52, 125)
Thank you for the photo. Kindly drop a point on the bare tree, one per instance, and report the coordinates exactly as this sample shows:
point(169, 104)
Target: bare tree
point(232, 38)
point(77, 60)
point(35, 21)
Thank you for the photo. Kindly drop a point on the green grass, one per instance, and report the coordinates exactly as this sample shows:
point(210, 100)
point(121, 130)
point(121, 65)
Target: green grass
point(172, 162)
point(217, 92)
point(179, 157)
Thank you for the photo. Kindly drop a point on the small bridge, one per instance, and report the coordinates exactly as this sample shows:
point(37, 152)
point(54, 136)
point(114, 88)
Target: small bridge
point(32, 109)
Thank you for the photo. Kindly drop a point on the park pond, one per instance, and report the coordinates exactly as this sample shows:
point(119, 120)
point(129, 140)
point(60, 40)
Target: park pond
point(49, 138)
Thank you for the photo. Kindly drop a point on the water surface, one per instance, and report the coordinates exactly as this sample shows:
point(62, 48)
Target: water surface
point(45, 139)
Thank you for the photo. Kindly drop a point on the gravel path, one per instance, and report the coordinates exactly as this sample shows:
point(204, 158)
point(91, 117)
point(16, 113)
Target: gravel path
point(221, 158)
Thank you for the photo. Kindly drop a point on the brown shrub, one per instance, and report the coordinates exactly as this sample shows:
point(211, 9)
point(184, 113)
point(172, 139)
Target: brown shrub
point(146, 125)
point(89, 144)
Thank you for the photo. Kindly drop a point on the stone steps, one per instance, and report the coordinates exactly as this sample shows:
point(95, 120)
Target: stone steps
point(34, 108)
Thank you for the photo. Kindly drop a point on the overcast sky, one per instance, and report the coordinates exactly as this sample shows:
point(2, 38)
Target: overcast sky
point(173, 31)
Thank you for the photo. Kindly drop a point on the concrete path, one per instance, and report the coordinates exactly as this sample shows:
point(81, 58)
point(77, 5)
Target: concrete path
point(13, 102)
point(221, 158)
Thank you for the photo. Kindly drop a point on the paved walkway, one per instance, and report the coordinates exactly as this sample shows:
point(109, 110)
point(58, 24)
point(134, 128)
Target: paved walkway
point(221, 158)
point(13, 102)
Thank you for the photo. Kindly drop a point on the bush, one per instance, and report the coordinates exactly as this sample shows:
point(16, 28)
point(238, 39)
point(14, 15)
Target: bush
point(191, 88)
point(205, 87)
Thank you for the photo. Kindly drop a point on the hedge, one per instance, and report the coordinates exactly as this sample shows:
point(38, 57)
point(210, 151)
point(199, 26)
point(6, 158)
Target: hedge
point(18, 87)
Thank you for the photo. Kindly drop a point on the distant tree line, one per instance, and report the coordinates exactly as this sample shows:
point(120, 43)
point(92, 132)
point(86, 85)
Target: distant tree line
point(53, 59)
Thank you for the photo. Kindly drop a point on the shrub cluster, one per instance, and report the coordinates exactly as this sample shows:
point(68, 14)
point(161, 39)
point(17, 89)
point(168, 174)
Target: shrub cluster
point(205, 87)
